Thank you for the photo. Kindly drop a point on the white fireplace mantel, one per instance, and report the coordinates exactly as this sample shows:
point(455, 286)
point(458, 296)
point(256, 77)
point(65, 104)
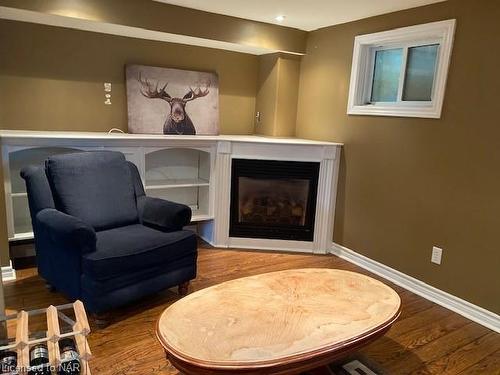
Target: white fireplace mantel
point(213, 183)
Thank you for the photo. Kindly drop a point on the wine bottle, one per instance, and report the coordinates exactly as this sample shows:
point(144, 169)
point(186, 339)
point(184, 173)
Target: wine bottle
point(39, 360)
point(70, 359)
point(8, 361)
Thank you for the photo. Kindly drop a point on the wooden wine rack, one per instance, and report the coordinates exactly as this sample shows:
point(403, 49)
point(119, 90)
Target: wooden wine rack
point(22, 343)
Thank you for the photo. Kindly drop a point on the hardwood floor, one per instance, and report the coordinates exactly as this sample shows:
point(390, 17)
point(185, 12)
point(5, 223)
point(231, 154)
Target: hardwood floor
point(427, 339)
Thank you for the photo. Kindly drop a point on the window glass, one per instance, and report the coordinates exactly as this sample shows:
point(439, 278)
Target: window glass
point(386, 75)
point(419, 76)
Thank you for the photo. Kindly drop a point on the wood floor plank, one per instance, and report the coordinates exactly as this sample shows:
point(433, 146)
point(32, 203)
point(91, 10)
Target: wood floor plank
point(462, 357)
point(403, 339)
point(427, 338)
point(437, 349)
point(488, 365)
point(413, 304)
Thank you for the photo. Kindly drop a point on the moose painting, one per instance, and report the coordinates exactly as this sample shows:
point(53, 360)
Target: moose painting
point(172, 101)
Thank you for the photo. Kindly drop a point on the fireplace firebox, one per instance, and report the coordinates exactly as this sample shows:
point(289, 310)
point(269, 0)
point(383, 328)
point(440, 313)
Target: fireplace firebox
point(273, 199)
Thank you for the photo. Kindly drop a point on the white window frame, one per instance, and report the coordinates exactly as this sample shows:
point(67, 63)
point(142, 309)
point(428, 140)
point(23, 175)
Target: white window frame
point(363, 63)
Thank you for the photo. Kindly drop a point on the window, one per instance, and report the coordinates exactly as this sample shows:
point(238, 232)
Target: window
point(401, 72)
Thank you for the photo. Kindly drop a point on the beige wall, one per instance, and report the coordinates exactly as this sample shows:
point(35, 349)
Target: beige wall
point(52, 78)
point(277, 95)
point(267, 91)
point(407, 184)
point(286, 104)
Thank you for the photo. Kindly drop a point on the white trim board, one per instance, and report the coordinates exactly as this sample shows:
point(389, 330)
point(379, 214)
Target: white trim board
point(23, 15)
point(8, 273)
point(470, 311)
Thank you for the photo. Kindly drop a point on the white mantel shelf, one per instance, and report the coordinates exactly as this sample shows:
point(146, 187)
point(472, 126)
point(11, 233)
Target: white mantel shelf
point(207, 191)
point(11, 135)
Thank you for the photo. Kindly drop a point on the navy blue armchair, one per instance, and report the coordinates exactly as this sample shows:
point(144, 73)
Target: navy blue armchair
point(99, 238)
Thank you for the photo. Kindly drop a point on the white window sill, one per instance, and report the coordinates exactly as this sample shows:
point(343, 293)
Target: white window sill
point(399, 111)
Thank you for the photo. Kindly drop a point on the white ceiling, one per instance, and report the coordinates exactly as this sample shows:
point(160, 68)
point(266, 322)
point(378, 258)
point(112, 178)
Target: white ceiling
point(302, 14)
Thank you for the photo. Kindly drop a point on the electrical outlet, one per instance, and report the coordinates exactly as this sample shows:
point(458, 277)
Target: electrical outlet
point(107, 90)
point(437, 253)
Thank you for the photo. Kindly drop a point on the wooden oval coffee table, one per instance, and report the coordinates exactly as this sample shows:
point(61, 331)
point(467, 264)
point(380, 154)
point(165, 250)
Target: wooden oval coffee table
point(281, 322)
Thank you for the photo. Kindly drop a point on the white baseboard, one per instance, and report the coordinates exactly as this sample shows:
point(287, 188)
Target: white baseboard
point(8, 273)
point(451, 302)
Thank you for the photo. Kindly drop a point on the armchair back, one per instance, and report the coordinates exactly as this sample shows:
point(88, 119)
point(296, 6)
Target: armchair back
point(96, 187)
point(40, 193)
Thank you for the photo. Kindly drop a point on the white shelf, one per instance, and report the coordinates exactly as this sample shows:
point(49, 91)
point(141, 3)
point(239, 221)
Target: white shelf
point(177, 183)
point(22, 236)
point(19, 195)
point(200, 216)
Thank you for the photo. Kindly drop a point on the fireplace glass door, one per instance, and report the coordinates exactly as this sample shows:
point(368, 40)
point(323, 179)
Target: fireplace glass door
point(273, 199)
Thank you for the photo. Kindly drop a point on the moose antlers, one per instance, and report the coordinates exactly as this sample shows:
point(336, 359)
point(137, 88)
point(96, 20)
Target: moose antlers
point(196, 93)
point(148, 91)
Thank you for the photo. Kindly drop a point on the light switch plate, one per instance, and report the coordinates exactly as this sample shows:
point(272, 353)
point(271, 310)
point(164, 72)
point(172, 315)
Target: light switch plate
point(437, 254)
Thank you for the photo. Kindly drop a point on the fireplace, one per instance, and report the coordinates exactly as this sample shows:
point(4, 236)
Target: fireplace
point(273, 199)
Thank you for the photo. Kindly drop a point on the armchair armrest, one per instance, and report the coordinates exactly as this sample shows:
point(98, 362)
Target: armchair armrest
point(66, 231)
point(163, 214)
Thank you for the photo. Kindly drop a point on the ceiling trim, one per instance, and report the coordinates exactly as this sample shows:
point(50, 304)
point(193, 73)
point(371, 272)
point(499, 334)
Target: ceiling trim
point(22, 15)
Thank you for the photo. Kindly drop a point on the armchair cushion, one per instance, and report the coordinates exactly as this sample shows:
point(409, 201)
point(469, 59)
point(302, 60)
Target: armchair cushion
point(66, 231)
point(135, 247)
point(96, 187)
point(162, 214)
point(135, 278)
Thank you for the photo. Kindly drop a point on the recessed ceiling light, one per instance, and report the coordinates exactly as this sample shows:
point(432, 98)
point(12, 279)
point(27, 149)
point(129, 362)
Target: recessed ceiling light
point(280, 18)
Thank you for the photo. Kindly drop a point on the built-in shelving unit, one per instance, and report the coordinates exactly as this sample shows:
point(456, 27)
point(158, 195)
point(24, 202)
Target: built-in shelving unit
point(178, 174)
point(181, 175)
point(194, 170)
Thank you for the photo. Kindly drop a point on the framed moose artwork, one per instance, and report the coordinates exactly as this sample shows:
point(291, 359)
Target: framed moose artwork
point(172, 101)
